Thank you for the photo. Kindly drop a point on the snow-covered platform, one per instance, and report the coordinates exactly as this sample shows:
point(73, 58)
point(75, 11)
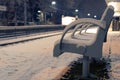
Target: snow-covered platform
point(34, 60)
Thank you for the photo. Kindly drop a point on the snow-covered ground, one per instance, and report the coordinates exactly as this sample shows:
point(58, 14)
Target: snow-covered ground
point(34, 60)
point(111, 50)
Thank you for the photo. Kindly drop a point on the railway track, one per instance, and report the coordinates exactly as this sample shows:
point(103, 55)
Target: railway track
point(15, 35)
point(24, 38)
point(9, 32)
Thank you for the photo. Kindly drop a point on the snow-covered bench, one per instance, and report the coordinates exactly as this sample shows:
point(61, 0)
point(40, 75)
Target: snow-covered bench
point(81, 41)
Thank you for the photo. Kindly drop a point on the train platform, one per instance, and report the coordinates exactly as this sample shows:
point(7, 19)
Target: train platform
point(33, 60)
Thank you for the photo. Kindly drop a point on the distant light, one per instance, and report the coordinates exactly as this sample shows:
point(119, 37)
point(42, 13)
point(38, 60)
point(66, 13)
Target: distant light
point(88, 14)
point(95, 16)
point(53, 2)
point(39, 11)
point(76, 10)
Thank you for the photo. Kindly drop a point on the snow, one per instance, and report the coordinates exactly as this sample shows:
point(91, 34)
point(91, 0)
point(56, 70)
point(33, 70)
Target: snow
point(23, 61)
point(112, 49)
point(33, 60)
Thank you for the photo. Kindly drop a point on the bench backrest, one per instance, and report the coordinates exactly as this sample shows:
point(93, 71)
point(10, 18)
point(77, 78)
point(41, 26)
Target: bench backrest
point(107, 17)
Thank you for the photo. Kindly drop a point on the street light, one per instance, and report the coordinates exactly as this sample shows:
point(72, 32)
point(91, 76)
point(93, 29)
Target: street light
point(53, 2)
point(95, 16)
point(39, 11)
point(88, 14)
point(76, 10)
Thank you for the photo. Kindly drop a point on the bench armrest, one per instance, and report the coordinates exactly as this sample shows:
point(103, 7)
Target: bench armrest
point(99, 23)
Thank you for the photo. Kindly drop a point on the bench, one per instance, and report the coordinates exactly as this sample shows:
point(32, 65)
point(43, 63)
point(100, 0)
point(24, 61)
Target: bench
point(82, 42)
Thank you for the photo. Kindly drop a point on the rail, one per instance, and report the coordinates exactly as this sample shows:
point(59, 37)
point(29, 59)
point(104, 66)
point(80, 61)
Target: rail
point(12, 31)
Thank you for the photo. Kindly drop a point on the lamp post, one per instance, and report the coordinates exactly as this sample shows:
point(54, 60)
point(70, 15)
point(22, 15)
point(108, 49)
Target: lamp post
point(25, 12)
point(53, 4)
point(76, 12)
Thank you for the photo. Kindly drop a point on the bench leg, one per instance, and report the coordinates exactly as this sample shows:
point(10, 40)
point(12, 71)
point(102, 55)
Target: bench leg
point(85, 69)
